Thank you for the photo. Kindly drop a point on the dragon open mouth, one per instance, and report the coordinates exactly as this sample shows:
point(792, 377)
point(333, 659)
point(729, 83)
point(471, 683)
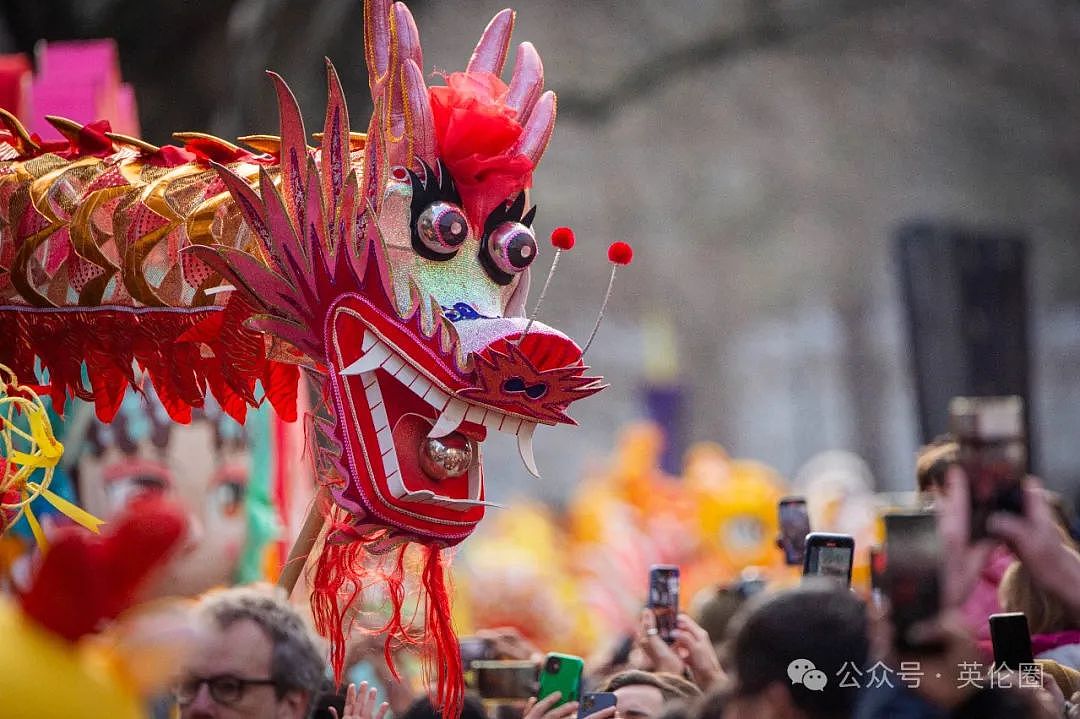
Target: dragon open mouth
point(419, 414)
point(408, 430)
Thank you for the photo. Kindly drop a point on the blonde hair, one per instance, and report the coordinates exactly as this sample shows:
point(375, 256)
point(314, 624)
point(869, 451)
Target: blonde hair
point(933, 461)
point(1045, 612)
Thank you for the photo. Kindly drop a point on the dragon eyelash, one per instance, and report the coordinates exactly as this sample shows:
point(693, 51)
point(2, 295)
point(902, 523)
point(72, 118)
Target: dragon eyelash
point(509, 212)
point(434, 187)
point(505, 212)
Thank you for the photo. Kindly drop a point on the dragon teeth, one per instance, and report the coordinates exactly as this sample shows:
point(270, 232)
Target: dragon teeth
point(369, 361)
point(452, 411)
point(450, 418)
point(525, 448)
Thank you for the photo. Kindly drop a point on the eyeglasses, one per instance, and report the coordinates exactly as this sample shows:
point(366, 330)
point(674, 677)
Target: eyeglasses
point(224, 689)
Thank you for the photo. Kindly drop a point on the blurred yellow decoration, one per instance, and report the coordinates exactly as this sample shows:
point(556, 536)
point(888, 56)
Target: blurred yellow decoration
point(735, 502)
point(22, 454)
point(633, 480)
point(636, 472)
point(44, 677)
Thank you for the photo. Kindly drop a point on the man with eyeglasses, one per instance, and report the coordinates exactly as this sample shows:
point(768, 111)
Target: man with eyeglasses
point(258, 660)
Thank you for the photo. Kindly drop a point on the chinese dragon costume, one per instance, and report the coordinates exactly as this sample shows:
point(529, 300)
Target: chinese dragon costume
point(393, 266)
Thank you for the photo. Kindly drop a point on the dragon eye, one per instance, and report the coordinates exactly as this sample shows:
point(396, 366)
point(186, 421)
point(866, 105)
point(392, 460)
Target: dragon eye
point(512, 247)
point(441, 229)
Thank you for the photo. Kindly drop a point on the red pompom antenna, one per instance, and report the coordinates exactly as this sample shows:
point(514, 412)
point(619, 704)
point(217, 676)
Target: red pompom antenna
point(619, 253)
point(562, 239)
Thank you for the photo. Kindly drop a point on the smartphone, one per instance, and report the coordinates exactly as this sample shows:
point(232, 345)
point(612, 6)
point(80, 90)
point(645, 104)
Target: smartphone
point(992, 449)
point(474, 649)
point(877, 568)
point(912, 576)
point(794, 526)
point(592, 702)
point(1011, 639)
point(877, 574)
point(664, 598)
point(829, 555)
point(561, 673)
point(505, 680)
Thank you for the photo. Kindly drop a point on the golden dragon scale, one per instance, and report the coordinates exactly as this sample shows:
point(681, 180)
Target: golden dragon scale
point(93, 269)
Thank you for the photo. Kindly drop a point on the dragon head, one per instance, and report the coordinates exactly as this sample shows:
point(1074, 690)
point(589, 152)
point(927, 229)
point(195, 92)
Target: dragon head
point(397, 265)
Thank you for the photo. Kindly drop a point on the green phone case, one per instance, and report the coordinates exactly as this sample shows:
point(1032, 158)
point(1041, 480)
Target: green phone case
point(561, 673)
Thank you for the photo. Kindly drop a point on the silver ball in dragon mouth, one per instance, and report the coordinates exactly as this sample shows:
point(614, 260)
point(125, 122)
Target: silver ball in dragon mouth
point(443, 457)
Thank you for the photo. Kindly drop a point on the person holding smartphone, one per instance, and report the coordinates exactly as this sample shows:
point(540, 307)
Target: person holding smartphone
point(1034, 537)
point(1040, 543)
point(973, 570)
point(690, 652)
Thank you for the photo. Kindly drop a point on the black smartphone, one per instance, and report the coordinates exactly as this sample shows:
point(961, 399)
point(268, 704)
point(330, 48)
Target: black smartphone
point(664, 598)
point(505, 680)
point(1012, 640)
point(474, 649)
point(829, 555)
point(877, 574)
point(877, 568)
point(594, 702)
point(912, 576)
point(794, 526)
point(992, 449)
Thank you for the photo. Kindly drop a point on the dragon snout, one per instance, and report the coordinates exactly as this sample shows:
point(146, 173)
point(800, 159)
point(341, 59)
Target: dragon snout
point(536, 375)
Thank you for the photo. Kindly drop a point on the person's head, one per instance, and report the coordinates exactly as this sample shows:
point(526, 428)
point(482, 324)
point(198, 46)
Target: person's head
point(711, 705)
point(933, 462)
point(258, 659)
point(788, 648)
point(715, 607)
point(642, 695)
point(422, 708)
point(1018, 592)
point(675, 709)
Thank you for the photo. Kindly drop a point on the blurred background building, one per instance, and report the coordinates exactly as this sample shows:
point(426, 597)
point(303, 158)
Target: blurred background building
point(760, 155)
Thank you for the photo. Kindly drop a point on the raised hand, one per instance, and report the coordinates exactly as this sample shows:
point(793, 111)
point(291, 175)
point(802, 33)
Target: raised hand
point(662, 656)
point(509, 643)
point(963, 560)
point(1039, 542)
point(543, 709)
point(695, 645)
point(362, 703)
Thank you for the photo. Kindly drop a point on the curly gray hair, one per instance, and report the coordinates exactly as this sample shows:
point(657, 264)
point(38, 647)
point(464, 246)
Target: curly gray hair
point(297, 661)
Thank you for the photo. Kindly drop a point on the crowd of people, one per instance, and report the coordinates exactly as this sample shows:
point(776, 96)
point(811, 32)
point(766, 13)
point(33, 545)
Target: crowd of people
point(816, 650)
point(765, 644)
